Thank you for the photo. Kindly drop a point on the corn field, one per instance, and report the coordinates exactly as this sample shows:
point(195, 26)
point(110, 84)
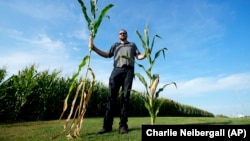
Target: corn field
point(31, 95)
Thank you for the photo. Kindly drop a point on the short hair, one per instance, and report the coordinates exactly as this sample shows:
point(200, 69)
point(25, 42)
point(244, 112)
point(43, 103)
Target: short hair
point(123, 30)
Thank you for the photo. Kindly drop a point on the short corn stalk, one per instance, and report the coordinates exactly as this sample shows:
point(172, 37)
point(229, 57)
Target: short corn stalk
point(151, 85)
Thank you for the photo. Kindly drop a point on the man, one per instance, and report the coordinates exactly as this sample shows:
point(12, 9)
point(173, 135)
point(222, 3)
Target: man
point(121, 76)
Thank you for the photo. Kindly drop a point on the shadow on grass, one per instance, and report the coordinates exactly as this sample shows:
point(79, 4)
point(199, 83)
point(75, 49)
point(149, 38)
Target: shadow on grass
point(133, 129)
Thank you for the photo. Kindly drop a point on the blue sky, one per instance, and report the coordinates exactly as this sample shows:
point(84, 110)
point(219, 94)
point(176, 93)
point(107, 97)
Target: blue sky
point(208, 44)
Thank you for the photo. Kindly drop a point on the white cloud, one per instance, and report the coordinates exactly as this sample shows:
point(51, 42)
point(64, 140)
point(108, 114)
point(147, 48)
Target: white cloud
point(203, 85)
point(81, 34)
point(41, 50)
point(47, 43)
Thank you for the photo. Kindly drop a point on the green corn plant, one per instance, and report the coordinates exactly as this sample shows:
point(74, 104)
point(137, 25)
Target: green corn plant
point(3, 73)
point(83, 89)
point(24, 83)
point(151, 93)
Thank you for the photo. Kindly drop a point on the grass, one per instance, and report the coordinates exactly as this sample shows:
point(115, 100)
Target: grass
point(44, 130)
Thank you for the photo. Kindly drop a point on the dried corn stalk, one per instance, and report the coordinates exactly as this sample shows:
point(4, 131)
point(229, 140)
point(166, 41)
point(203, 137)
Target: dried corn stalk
point(84, 90)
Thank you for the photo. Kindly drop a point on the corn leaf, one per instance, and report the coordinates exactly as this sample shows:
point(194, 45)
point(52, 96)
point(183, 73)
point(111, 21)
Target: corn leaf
point(142, 41)
point(158, 53)
point(99, 20)
point(81, 65)
point(84, 10)
point(93, 8)
point(153, 41)
point(143, 81)
point(163, 87)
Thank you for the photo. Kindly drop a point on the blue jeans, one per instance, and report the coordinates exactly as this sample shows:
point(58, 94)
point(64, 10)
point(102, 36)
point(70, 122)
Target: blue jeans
point(119, 78)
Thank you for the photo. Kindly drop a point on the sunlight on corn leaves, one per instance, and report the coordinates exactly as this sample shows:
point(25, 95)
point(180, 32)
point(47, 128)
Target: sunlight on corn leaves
point(84, 89)
point(152, 91)
point(93, 23)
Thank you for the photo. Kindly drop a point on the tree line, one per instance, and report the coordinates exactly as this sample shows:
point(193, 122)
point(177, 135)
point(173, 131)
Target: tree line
point(34, 95)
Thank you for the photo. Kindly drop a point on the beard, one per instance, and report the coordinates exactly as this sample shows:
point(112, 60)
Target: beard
point(123, 39)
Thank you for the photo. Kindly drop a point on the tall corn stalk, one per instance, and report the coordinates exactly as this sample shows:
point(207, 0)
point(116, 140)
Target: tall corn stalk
point(152, 93)
point(82, 89)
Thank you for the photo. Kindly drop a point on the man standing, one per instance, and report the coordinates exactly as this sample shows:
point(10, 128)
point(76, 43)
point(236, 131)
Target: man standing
point(124, 53)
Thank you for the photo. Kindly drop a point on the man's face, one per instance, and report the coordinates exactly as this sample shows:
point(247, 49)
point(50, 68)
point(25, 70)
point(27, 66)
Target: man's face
point(123, 35)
